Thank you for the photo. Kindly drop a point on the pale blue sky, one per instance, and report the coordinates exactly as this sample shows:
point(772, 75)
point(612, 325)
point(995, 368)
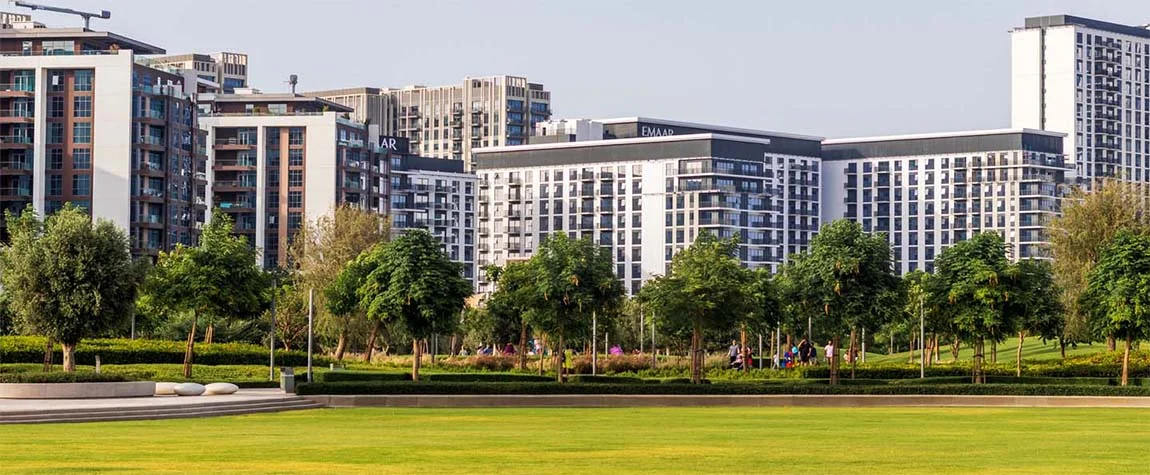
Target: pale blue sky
point(832, 68)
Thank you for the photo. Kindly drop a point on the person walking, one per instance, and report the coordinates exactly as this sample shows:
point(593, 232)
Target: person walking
point(733, 353)
point(829, 351)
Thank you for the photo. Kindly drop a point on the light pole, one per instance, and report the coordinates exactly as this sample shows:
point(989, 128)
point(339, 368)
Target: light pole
point(310, 293)
point(272, 337)
point(594, 352)
point(921, 337)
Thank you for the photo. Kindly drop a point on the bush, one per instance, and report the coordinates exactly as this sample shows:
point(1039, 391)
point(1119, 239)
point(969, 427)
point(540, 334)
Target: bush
point(611, 364)
point(604, 379)
point(24, 349)
point(341, 376)
point(484, 377)
point(400, 388)
point(77, 377)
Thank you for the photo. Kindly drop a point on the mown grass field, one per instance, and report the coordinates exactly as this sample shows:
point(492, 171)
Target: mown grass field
point(647, 440)
point(1033, 349)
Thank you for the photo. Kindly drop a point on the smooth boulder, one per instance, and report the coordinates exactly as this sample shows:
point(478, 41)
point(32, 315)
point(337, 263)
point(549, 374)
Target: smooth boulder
point(220, 389)
point(166, 389)
point(189, 389)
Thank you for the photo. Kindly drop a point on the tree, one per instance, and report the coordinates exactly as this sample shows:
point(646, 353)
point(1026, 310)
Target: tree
point(1034, 302)
point(68, 278)
point(318, 254)
point(849, 276)
point(765, 312)
point(1088, 222)
point(572, 280)
point(706, 289)
point(513, 299)
point(290, 314)
point(218, 278)
point(1118, 291)
point(411, 281)
point(969, 287)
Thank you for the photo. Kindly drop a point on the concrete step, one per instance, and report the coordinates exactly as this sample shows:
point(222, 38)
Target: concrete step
point(142, 404)
point(158, 412)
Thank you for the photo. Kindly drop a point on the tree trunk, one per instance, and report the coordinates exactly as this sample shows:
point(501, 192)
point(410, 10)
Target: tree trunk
point(416, 360)
point(743, 347)
point(542, 350)
point(341, 345)
point(890, 349)
point(523, 346)
point(371, 342)
point(954, 350)
point(854, 357)
point(48, 344)
point(190, 348)
point(934, 350)
point(1126, 362)
point(1062, 346)
point(993, 351)
point(560, 359)
point(833, 356)
point(695, 378)
point(910, 359)
point(1018, 357)
point(1111, 344)
point(69, 357)
point(976, 368)
point(451, 347)
point(209, 334)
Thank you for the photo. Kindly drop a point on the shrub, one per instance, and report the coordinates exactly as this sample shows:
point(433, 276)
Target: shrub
point(340, 376)
point(77, 377)
point(484, 377)
point(611, 364)
point(399, 388)
point(24, 349)
point(603, 379)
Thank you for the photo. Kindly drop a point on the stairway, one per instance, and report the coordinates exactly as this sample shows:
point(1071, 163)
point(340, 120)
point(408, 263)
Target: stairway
point(138, 412)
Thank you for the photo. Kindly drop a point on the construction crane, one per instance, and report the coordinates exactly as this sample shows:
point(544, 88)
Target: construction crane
point(88, 16)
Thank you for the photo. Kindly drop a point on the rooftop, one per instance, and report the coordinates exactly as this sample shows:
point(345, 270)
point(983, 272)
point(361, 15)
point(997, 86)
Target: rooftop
point(939, 135)
point(1063, 20)
point(617, 142)
point(106, 40)
point(259, 97)
point(717, 128)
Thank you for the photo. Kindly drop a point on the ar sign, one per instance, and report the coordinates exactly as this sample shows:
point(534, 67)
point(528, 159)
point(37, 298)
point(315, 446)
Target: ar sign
point(388, 143)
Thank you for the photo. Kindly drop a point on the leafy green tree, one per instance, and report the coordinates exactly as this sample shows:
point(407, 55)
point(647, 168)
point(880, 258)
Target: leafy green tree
point(218, 278)
point(1119, 291)
point(706, 288)
point(850, 275)
point(67, 277)
point(572, 280)
point(509, 305)
point(410, 281)
point(1089, 220)
point(318, 255)
point(1034, 302)
point(291, 315)
point(969, 288)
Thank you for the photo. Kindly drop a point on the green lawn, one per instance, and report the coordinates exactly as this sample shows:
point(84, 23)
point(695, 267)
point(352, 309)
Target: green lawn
point(650, 440)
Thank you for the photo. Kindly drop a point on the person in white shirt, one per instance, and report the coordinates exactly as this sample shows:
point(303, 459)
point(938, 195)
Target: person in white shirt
point(830, 351)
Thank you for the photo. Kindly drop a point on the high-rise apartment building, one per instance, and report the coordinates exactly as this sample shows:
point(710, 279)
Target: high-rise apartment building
point(434, 194)
point(229, 71)
point(278, 159)
point(648, 192)
point(82, 121)
point(929, 191)
point(566, 130)
point(1088, 79)
point(369, 104)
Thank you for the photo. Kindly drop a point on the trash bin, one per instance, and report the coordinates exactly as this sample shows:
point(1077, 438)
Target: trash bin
point(287, 379)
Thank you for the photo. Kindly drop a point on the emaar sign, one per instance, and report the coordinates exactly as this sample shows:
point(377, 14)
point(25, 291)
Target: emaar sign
point(648, 131)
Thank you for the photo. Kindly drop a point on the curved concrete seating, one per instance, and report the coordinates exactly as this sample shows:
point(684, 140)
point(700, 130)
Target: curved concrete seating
point(76, 390)
point(189, 389)
point(217, 389)
point(166, 389)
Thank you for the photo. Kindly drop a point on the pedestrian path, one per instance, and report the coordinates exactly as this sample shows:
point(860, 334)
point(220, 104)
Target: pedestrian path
point(246, 401)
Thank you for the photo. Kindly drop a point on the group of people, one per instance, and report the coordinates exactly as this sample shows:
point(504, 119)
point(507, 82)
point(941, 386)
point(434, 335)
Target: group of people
point(740, 357)
point(802, 354)
point(490, 350)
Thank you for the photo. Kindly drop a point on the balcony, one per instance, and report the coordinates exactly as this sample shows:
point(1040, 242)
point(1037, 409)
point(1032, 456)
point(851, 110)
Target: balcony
point(587, 176)
point(234, 164)
point(169, 91)
point(16, 192)
point(149, 142)
point(17, 90)
point(233, 185)
point(16, 116)
point(150, 168)
point(151, 194)
point(150, 220)
point(235, 143)
point(151, 116)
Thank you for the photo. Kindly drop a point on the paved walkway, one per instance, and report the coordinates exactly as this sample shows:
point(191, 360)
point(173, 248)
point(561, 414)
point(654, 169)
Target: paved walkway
point(8, 406)
point(621, 400)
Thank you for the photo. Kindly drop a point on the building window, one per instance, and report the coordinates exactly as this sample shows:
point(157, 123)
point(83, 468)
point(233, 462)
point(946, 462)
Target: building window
point(83, 81)
point(81, 185)
point(56, 133)
point(82, 106)
point(55, 185)
point(295, 157)
point(82, 132)
point(295, 199)
point(59, 48)
point(56, 107)
point(55, 159)
point(81, 159)
point(294, 220)
point(295, 136)
point(295, 178)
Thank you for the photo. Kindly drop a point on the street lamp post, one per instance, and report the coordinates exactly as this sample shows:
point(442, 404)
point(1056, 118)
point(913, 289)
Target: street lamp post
point(921, 337)
point(272, 336)
point(310, 294)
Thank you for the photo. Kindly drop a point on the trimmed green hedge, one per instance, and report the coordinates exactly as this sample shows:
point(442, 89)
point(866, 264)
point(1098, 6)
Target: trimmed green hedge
point(400, 387)
point(77, 377)
point(25, 349)
point(346, 376)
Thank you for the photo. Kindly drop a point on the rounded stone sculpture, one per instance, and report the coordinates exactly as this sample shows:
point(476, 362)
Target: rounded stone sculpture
point(189, 389)
point(166, 389)
point(219, 389)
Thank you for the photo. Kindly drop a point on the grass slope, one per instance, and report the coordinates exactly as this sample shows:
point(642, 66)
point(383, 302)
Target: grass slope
point(647, 440)
point(1032, 350)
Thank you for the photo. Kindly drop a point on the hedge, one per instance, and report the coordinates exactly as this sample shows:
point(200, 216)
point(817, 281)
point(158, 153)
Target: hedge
point(77, 377)
point(24, 349)
point(401, 388)
point(344, 376)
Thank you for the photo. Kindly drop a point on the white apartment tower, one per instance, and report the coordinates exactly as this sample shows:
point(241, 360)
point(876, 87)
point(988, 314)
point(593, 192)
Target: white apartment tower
point(929, 191)
point(1088, 79)
point(648, 192)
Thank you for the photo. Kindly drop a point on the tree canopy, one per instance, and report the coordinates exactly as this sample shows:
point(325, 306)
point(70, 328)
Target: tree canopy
point(1118, 293)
